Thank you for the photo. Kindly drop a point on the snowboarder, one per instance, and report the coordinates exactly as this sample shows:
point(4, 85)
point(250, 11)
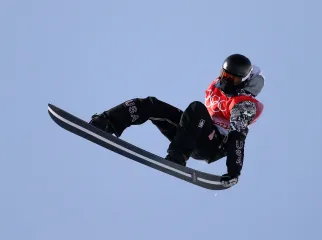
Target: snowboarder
point(204, 131)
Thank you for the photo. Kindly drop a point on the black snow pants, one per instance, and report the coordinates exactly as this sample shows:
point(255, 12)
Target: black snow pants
point(191, 131)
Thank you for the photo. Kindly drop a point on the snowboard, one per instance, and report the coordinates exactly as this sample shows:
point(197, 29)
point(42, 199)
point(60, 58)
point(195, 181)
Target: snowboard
point(83, 129)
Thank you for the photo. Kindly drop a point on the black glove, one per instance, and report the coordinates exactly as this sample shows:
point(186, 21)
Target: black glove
point(228, 181)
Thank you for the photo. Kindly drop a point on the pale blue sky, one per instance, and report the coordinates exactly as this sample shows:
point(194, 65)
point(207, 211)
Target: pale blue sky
point(88, 56)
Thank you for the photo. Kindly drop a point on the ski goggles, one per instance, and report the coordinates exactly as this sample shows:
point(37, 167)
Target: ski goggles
point(235, 79)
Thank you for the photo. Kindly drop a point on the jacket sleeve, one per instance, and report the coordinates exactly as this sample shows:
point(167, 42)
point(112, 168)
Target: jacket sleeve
point(241, 115)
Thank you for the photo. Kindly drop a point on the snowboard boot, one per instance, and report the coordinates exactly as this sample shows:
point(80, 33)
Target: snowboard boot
point(177, 157)
point(101, 122)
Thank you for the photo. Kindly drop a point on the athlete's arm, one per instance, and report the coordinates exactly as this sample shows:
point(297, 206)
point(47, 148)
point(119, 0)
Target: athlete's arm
point(241, 115)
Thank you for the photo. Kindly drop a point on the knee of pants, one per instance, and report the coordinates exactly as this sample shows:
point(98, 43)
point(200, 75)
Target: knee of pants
point(148, 100)
point(197, 106)
point(141, 101)
point(152, 99)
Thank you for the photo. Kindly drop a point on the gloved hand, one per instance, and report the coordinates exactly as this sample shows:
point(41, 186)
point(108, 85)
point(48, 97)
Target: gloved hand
point(228, 181)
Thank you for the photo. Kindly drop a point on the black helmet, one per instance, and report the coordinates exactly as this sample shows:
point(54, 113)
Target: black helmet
point(237, 65)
